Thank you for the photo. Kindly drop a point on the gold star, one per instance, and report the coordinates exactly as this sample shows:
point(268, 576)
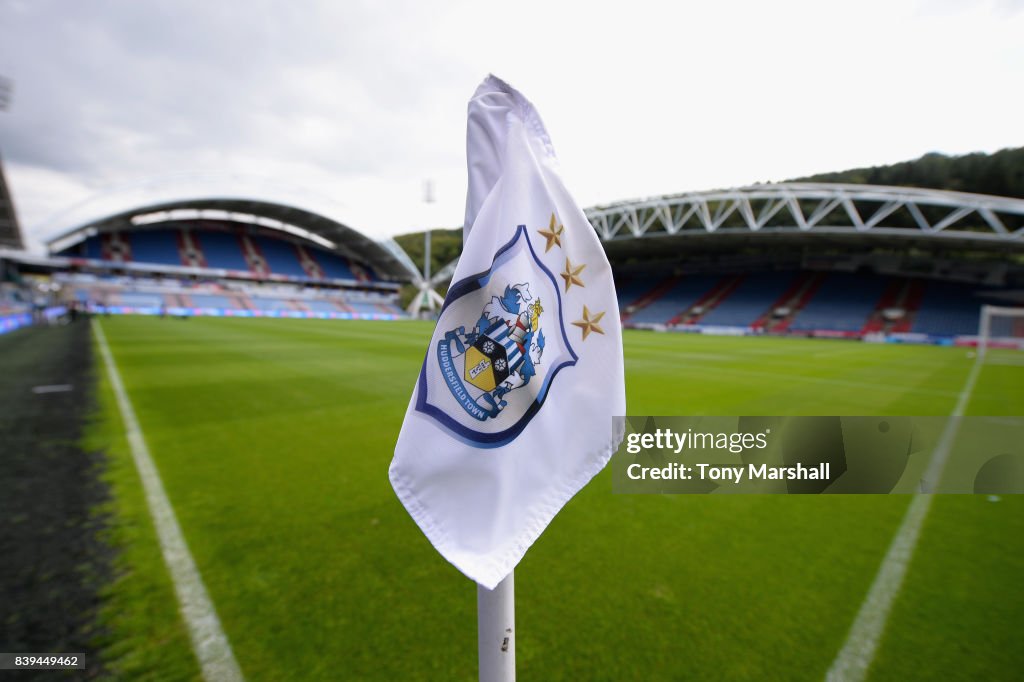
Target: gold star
point(589, 324)
point(571, 275)
point(552, 234)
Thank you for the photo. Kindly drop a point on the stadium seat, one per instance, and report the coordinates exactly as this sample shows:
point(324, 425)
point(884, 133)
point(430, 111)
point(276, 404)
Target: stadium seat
point(319, 306)
point(750, 300)
point(334, 267)
point(268, 304)
point(222, 250)
point(948, 309)
point(842, 303)
point(678, 298)
point(210, 301)
point(281, 257)
point(155, 246)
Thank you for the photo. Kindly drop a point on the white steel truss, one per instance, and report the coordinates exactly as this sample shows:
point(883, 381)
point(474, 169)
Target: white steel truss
point(819, 208)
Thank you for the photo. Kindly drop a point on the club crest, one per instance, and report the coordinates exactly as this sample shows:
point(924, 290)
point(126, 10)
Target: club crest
point(500, 341)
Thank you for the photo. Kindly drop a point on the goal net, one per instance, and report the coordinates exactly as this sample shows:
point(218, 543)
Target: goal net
point(1000, 327)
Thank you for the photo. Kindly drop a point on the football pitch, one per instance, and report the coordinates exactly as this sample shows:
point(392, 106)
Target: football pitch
point(273, 439)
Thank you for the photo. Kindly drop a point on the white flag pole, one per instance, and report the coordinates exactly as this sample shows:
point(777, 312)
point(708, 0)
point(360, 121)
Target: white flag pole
point(496, 625)
point(495, 609)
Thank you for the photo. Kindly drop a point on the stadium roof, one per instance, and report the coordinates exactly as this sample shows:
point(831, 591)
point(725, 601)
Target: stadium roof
point(385, 256)
point(840, 212)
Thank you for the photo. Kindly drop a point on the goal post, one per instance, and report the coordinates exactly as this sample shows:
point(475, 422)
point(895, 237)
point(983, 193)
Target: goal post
point(1000, 326)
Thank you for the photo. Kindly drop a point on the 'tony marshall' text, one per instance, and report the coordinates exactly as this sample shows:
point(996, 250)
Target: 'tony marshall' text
point(728, 473)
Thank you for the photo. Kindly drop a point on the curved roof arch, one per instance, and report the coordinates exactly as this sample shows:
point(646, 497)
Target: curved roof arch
point(385, 256)
point(818, 209)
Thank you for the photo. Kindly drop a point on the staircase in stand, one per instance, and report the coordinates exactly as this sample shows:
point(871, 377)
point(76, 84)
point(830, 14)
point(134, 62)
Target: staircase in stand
point(890, 298)
point(189, 250)
point(253, 256)
point(901, 293)
point(911, 303)
point(795, 298)
point(652, 295)
point(709, 301)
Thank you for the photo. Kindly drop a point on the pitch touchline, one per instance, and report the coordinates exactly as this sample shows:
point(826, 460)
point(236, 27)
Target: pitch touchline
point(209, 642)
point(853, 660)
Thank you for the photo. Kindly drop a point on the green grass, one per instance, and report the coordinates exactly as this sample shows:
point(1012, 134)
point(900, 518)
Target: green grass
point(142, 636)
point(273, 439)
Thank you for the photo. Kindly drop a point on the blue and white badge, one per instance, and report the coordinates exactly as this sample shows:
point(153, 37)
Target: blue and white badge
point(500, 342)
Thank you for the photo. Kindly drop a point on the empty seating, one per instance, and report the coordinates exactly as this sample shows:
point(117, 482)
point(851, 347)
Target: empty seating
point(268, 304)
point(134, 300)
point(155, 246)
point(677, 299)
point(334, 267)
point(948, 309)
point(90, 248)
point(844, 302)
point(322, 307)
point(750, 300)
point(633, 288)
point(222, 250)
point(210, 301)
point(280, 256)
point(364, 307)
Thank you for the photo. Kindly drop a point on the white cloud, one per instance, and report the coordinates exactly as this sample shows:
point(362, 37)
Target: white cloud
point(40, 192)
point(362, 101)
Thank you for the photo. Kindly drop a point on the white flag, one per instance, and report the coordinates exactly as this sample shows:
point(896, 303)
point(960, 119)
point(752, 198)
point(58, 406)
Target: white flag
point(512, 412)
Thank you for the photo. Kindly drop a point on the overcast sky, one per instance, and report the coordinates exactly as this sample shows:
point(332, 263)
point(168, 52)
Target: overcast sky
point(359, 102)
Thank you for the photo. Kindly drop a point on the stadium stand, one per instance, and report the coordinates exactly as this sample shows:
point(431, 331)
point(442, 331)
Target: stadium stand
point(90, 248)
point(947, 309)
point(179, 297)
point(213, 301)
point(750, 300)
point(222, 250)
point(155, 246)
point(791, 303)
point(749, 267)
point(838, 303)
point(253, 256)
point(709, 301)
point(190, 251)
point(280, 256)
point(677, 297)
point(116, 247)
point(136, 300)
point(317, 306)
point(632, 290)
point(910, 303)
point(364, 307)
point(842, 303)
point(271, 304)
point(333, 267)
point(308, 264)
point(891, 299)
point(15, 309)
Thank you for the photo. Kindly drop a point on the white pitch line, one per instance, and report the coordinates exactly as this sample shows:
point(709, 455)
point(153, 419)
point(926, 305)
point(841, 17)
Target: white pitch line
point(209, 642)
point(853, 660)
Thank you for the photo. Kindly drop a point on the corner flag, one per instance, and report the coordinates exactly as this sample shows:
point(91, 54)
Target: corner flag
point(512, 411)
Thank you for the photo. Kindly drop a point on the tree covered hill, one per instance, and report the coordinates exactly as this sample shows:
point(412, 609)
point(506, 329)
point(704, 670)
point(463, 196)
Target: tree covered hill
point(1001, 173)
